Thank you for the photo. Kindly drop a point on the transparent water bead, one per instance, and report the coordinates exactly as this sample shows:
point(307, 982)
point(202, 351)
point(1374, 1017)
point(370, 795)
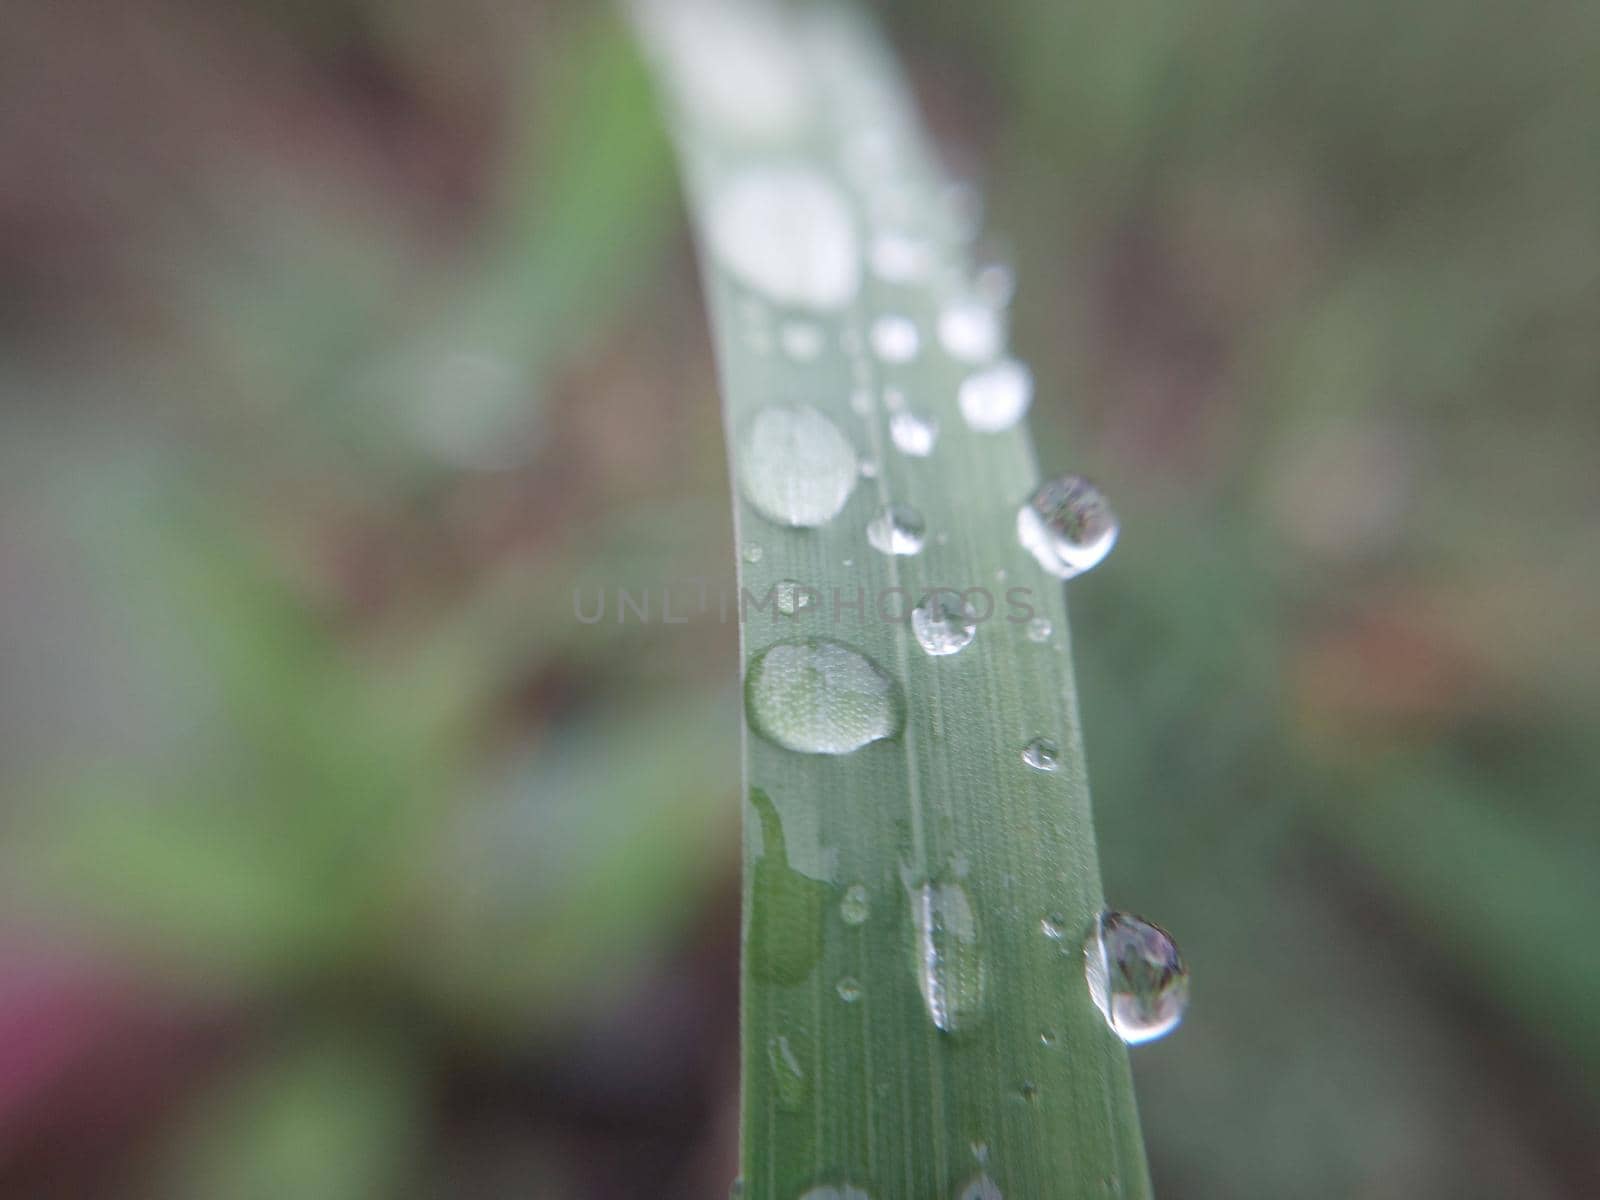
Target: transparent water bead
point(793, 597)
point(819, 696)
point(797, 469)
point(951, 973)
point(1039, 630)
point(913, 433)
point(970, 330)
point(802, 341)
point(1042, 755)
point(981, 1188)
point(898, 529)
point(943, 624)
point(752, 553)
point(786, 232)
point(896, 257)
point(1067, 525)
point(848, 989)
point(1136, 977)
point(855, 906)
point(788, 1076)
point(994, 398)
point(895, 338)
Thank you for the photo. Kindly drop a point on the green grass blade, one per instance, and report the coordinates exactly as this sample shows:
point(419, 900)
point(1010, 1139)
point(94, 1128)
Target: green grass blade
point(849, 1083)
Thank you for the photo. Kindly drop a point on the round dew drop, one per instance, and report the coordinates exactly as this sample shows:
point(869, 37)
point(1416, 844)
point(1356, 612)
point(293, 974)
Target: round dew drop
point(802, 341)
point(849, 989)
point(913, 434)
point(898, 529)
point(969, 330)
point(895, 339)
point(820, 696)
point(855, 906)
point(994, 398)
point(785, 231)
point(943, 624)
point(797, 469)
point(1039, 630)
point(1137, 978)
point(1067, 525)
point(1042, 755)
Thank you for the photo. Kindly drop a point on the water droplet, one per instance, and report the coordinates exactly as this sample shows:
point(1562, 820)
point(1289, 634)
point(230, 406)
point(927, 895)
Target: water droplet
point(1029, 1091)
point(792, 596)
point(1047, 1037)
point(802, 340)
point(969, 330)
point(995, 280)
point(752, 553)
point(819, 696)
point(913, 433)
point(788, 1076)
point(1041, 755)
point(949, 961)
point(849, 989)
point(797, 468)
point(1067, 525)
point(737, 71)
point(786, 231)
point(1039, 630)
point(981, 1188)
point(895, 338)
point(900, 258)
point(1054, 927)
point(980, 1151)
point(898, 529)
point(1137, 978)
point(994, 398)
point(855, 906)
point(943, 624)
point(894, 399)
point(869, 469)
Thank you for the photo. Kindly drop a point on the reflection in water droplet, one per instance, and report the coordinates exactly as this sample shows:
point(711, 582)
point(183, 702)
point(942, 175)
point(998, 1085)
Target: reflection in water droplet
point(913, 433)
point(994, 398)
point(1039, 630)
point(1067, 525)
point(949, 960)
point(900, 258)
point(855, 906)
point(752, 553)
point(849, 989)
point(1041, 755)
point(820, 697)
point(802, 340)
point(791, 596)
point(969, 330)
point(895, 338)
point(797, 468)
point(786, 232)
point(1137, 978)
point(788, 1076)
point(943, 624)
point(898, 529)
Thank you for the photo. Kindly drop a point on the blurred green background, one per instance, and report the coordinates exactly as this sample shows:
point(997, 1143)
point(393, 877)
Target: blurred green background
point(339, 342)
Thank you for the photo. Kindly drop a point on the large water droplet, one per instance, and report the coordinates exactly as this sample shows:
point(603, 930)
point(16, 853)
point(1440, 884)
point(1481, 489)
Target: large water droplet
point(969, 330)
point(895, 338)
point(788, 1076)
point(797, 468)
point(948, 958)
point(732, 66)
point(1067, 525)
point(1041, 755)
point(821, 697)
point(898, 529)
point(994, 398)
point(786, 231)
point(1136, 976)
point(855, 906)
point(913, 433)
point(943, 624)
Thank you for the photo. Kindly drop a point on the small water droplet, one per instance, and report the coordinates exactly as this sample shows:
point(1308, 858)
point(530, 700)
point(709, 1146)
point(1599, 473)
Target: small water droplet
point(842, 1192)
point(994, 398)
point(969, 330)
point(1047, 1037)
point(897, 257)
point(820, 696)
point(1041, 755)
point(752, 552)
point(1039, 630)
point(1137, 978)
point(849, 989)
point(951, 973)
point(981, 1188)
point(995, 280)
point(894, 399)
point(913, 434)
point(786, 232)
point(802, 341)
point(797, 468)
point(869, 469)
point(943, 624)
point(855, 906)
point(895, 338)
point(1067, 525)
point(1054, 927)
point(788, 1076)
point(1029, 1091)
point(898, 529)
point(792, 596)
point(980, 1152)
